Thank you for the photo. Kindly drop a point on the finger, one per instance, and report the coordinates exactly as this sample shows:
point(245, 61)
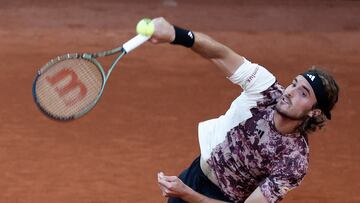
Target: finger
point(170, 178)
point(160, 176)
point(165, 183)
point(161, 182)
point(162, 189)
point(153, 40)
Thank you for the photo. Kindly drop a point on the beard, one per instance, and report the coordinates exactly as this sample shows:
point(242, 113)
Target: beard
point(287, 114)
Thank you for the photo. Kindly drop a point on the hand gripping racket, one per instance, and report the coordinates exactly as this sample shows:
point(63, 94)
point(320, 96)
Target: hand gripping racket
point(69, 86)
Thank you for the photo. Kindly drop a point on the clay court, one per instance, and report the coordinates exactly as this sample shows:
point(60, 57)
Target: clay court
point(146, 121)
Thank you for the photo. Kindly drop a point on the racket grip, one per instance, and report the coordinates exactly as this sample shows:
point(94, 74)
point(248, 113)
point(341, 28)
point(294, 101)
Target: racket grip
point(135, 42)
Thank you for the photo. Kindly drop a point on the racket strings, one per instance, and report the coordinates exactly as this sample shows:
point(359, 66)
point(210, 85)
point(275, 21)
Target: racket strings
point(69, 87)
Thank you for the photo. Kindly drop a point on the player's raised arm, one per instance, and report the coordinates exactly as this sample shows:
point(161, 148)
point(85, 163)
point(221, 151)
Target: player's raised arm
point(225, 58)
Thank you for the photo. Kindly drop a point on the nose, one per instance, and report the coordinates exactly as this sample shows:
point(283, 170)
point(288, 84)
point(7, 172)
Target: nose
point(289, 94)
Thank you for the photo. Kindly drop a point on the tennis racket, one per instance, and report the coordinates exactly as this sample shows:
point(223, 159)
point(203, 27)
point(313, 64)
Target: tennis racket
point(69, 86)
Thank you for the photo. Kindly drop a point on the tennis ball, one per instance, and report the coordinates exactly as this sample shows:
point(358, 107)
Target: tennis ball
point(145, 27)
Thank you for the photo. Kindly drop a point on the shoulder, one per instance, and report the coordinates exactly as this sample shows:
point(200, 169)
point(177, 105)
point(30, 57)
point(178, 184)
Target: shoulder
point(252, 77)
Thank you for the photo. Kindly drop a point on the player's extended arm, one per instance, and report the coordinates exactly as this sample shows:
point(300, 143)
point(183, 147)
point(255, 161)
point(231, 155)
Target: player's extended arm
point(225, 58)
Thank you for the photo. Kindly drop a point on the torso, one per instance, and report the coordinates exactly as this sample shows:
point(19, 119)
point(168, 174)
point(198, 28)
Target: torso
point(244, 159)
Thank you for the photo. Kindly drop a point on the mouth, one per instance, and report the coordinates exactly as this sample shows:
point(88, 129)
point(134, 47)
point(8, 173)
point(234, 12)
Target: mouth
point(285, 100)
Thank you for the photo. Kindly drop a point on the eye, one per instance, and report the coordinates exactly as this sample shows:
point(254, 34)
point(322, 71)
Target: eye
point(293, 84)
point(303, 93)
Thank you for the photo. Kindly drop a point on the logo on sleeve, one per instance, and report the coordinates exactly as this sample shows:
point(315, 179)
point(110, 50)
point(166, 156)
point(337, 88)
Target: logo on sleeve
point(252, 76)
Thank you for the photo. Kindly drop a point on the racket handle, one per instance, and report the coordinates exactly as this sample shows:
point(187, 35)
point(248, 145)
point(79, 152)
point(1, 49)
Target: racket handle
point(135, 42)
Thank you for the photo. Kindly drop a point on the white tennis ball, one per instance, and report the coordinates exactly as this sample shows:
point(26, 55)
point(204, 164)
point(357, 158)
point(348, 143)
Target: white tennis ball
point(145, 27)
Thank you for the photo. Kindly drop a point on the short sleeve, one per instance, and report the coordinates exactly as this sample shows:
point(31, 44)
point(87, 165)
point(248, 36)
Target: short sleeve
point(286, 175)
point(252, 77)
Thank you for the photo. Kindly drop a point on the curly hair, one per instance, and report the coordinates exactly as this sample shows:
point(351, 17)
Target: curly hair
point(311, 124)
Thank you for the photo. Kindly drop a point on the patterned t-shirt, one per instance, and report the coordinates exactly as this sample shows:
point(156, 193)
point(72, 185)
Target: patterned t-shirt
point(252, 153)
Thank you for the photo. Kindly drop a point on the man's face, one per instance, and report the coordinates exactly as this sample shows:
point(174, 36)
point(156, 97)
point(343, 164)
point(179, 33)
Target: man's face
point(298, 100)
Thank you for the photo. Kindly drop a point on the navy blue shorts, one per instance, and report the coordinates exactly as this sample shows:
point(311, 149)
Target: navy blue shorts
point(196, 179)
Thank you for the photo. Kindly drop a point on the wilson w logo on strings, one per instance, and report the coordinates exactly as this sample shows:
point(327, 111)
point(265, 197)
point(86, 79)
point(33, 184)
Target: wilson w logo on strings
point(72, 85)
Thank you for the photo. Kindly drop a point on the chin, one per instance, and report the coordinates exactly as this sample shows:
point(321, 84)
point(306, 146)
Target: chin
point(285, 112)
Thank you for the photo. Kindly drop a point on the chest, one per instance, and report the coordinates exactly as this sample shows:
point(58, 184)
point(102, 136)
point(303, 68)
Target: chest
point(255, 144)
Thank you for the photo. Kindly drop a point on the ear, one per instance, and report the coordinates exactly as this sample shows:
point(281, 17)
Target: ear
point(314, 113)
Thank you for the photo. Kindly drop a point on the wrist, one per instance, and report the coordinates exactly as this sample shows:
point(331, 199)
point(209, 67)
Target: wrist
point(183, 37)
point(173, 34)
point(192, 196)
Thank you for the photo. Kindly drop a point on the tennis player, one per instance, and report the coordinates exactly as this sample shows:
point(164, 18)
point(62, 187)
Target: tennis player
point(258, 150)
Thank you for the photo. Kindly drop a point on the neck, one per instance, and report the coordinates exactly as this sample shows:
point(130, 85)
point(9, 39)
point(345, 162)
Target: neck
point(285, 125)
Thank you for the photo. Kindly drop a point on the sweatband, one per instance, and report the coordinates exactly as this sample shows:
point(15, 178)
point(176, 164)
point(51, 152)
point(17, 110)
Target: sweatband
point(315, 81)
point(183, 37)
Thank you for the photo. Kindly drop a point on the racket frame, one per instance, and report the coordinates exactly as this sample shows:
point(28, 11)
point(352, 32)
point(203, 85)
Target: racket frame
point(91, 57)
point(60, 59)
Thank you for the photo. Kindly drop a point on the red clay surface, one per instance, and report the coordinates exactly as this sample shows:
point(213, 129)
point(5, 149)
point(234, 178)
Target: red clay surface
point(146, 121)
